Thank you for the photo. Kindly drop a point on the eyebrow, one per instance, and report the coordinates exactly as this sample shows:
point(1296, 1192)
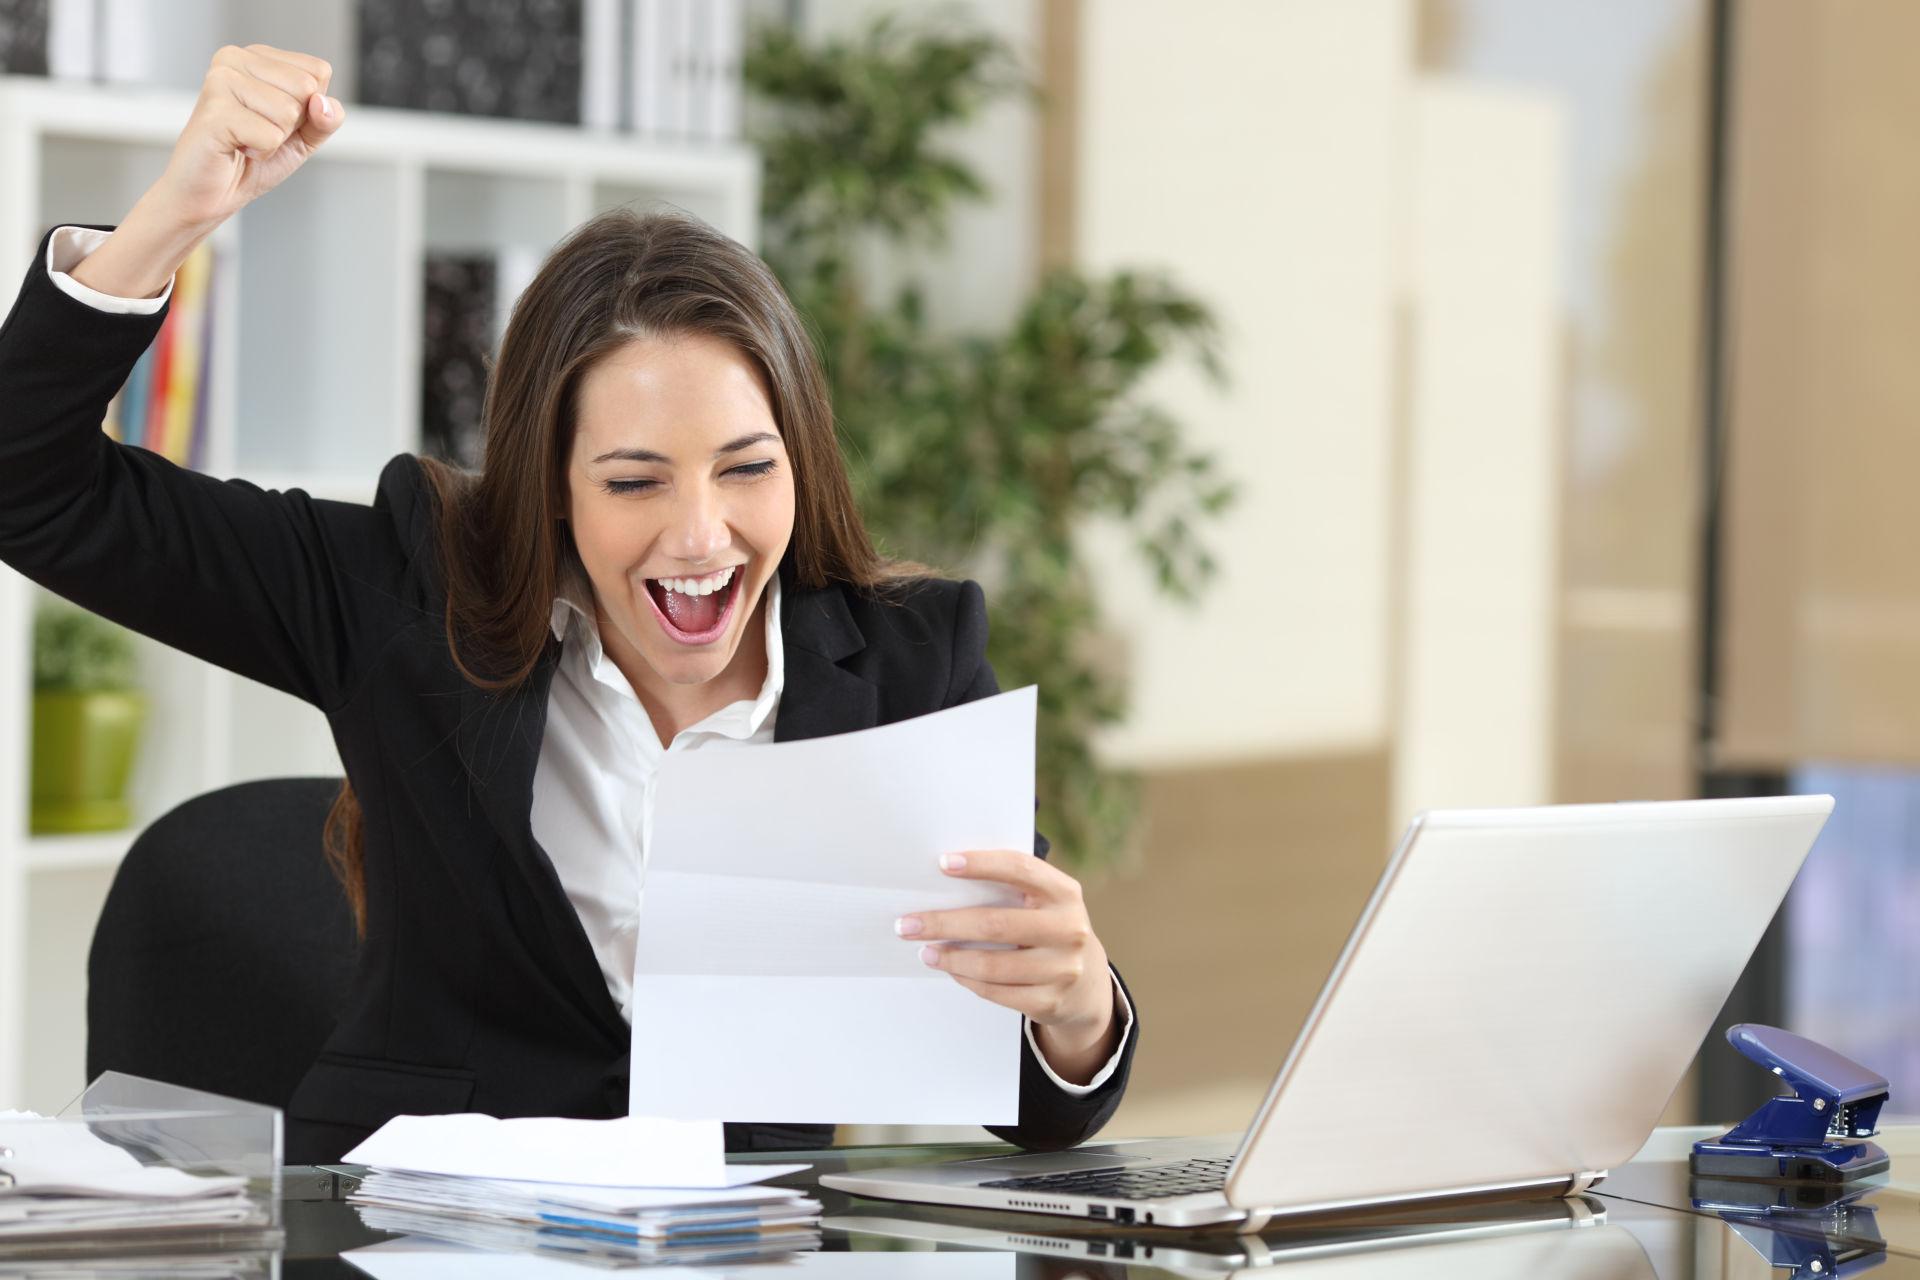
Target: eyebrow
point(648, 455)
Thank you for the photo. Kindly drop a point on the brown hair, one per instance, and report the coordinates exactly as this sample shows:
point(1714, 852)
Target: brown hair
point(503, 543)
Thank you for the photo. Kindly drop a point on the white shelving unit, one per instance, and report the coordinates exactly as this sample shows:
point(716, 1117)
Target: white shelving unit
point(316, 384)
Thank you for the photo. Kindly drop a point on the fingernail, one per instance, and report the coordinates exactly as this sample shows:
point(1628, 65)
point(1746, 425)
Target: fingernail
point(953, 862)
point(326, 106)
point(930, 956)
point(907, 926)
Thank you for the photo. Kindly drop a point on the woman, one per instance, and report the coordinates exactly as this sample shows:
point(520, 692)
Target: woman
point(661, 554)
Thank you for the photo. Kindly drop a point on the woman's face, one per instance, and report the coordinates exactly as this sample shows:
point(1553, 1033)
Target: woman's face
point(680, 497)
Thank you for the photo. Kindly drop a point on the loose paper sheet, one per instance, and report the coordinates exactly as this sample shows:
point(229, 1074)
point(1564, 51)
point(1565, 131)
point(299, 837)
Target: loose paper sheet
point(628, 1152)
point(769, 984)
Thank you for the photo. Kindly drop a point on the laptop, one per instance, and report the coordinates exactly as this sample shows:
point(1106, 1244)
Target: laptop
point(1514, 1008)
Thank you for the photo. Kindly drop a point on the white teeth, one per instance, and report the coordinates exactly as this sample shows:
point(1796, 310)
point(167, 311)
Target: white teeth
point(699, 586)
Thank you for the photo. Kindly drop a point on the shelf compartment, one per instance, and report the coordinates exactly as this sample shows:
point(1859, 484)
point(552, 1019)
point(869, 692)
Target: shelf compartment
point(319, 265)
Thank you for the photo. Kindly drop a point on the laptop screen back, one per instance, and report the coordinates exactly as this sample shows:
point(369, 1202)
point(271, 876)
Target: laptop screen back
point(1521, 996)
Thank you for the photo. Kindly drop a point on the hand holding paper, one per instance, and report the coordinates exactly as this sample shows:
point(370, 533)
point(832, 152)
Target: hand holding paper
point(1046, 961)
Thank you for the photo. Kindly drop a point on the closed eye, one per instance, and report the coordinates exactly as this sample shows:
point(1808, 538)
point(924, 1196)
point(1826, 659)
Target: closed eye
point(746, 471)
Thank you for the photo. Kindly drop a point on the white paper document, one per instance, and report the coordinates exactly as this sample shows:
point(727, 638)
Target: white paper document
point(769, 984)
point(629, 1152)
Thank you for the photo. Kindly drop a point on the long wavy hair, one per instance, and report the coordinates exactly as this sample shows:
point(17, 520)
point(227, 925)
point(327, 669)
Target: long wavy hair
point(503, 542)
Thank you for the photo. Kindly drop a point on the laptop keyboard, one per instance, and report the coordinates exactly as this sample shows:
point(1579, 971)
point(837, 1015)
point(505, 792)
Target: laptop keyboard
point(1143, 1182)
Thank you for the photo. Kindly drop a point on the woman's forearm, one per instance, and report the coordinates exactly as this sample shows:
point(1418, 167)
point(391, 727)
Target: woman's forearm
point(140, 256)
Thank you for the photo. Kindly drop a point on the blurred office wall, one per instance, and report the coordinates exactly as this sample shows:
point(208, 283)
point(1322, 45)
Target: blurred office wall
point(1819, 608)
point(1457, 247)
point(1478, 448)
point(1630, 79)
point(1267, 170)
point(1751, 630)
point(1822, 595)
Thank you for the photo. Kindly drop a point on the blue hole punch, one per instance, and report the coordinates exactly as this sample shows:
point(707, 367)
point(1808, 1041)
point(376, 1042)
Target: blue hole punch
point(1817, 1134)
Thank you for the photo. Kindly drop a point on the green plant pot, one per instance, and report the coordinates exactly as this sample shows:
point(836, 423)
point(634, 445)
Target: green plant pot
point(83, 746)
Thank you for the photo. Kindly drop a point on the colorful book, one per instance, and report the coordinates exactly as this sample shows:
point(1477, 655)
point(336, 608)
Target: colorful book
point(197, 454)
point(133, 410)
point(183, 357)
point(163, 405)
point(153, 435)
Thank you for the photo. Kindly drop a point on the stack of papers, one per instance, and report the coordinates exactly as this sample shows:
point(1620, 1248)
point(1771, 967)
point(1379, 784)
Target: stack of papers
point(59, 1180)
point(609, 1191)
point(612, 1223)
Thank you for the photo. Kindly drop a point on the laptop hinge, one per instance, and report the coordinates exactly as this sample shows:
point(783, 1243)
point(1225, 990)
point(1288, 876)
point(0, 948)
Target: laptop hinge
point(1581, 1181)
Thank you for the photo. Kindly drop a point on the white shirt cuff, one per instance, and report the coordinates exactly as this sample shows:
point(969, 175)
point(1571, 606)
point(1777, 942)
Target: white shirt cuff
point(66, 247)
point(1105, 1072)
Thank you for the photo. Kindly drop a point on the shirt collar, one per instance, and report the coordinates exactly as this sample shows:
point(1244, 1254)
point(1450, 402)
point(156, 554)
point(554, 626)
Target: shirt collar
point(573, 617)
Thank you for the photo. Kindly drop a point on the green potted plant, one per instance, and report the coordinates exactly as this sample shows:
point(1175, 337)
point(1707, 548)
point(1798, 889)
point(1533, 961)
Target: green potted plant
point(87, 715)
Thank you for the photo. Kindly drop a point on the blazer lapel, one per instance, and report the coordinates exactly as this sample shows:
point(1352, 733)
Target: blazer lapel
point(499, 741)
point(821, 697)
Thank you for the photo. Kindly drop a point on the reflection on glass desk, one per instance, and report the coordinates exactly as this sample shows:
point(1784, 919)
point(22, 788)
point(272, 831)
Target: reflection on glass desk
point(1222, 1253)
point(1880, 1214)
point(1640, 1224)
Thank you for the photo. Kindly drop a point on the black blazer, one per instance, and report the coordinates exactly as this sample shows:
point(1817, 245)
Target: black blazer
point(476, 987)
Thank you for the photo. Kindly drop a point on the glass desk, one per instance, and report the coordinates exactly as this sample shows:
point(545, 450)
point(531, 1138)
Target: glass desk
point(1639, 1224)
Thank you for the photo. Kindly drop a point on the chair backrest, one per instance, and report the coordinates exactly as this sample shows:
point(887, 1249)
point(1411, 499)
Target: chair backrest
point(223, 953)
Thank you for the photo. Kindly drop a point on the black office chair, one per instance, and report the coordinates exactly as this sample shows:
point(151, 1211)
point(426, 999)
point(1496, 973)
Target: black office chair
point(222, 956)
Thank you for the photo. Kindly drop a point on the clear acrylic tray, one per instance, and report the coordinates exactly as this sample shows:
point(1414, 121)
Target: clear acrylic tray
point(178, 1128)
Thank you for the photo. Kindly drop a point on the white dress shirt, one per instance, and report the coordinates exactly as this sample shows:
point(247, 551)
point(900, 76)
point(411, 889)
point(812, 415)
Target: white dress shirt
point(593, 791)
point(593, 788)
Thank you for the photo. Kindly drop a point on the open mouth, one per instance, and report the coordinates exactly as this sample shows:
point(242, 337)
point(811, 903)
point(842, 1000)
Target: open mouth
point(696, 611)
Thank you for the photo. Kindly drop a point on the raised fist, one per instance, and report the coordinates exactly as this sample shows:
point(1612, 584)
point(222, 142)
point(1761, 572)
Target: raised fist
point(261, 112)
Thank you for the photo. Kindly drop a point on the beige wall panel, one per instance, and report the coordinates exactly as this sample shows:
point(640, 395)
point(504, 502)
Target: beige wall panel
point(1256, 151)
point(1631, 497)
point(1481, 526)
point(1823, 592)
point(1622, 717)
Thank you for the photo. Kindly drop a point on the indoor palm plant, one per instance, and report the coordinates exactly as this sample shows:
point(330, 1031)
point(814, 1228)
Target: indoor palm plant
point(985, 454)
point(87, 715)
